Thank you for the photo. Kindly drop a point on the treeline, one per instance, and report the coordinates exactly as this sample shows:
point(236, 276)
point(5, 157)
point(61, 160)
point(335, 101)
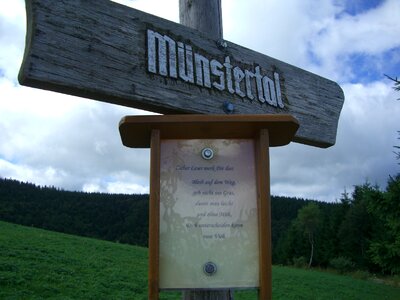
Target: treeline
point(113, 217)
point(361, 232)
point(122, 218)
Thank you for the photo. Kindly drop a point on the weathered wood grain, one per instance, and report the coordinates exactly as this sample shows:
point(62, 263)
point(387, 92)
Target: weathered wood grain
point(264, 213)
point(204, 16)
point(97, 49)
point(154, 215)
point(136, 131)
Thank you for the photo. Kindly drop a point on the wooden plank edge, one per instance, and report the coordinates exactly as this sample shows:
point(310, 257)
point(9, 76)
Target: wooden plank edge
point(135, 130)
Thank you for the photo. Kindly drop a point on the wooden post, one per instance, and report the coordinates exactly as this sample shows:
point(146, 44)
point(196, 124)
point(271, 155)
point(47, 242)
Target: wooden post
point(154, 211)
point(264, 214)
point(204, 16)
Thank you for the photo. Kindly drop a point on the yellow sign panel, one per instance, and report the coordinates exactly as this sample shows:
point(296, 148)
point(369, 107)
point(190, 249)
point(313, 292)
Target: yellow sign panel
point(208, 214)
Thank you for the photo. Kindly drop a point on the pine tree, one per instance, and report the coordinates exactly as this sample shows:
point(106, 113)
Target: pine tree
point(397, 88)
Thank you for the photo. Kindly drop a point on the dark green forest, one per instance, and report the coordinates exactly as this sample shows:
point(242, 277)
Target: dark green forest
point(111, 217)
point(359, 232)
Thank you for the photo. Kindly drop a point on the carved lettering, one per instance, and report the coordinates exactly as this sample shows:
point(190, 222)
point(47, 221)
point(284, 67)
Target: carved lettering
point(161, 53)
point(278, 90)
point(175, 59)
point(202, 70)
point(249, 75)
point(260, 92)
point(185, 62)
point(228, 68)
point(216, 69)
point(269, 91)
point(239, 76)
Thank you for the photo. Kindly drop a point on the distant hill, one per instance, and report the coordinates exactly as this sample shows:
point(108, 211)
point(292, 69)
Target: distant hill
point(113, 217)
point(358, 233)
point(122, 218)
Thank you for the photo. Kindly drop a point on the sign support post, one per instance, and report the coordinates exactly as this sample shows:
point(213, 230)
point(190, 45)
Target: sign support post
point(204, 16)
point(264, 214)
point(154, 211)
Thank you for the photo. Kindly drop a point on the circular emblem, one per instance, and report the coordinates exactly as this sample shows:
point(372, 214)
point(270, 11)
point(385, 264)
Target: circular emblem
point(207, 153)
point(210, 268)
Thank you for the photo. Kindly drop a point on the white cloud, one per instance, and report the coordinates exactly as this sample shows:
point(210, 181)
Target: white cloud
point(363, 151)
point(63, 141)
point(127, 188)
point(124, 182)
point(73, 143)
point(44, 176)
point(372, 32)
point(12, 36)
point(281, 29)
point(167, 9)
point(315, 35)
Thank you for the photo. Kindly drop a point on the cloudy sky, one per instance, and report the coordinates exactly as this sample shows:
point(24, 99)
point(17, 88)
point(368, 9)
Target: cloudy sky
point(73, 143)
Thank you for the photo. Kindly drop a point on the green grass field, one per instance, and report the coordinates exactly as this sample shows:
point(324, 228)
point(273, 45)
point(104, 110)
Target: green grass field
point(39, 264)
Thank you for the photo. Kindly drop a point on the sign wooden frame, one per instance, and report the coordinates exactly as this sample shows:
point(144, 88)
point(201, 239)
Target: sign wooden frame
point(267, 131)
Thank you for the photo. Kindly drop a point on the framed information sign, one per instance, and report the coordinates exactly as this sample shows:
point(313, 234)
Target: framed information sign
point(208, 214)
point(209, 210)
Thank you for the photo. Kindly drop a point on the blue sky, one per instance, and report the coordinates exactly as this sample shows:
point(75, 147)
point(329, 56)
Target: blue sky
point(73, 143)
point(355, 7)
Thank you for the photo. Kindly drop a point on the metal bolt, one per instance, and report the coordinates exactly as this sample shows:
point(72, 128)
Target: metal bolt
point(221, 44)
point(228, 107)
point(210, 268)
point(207, 153)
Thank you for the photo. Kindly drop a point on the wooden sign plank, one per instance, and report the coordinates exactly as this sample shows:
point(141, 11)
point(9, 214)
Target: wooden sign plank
point(105, 51)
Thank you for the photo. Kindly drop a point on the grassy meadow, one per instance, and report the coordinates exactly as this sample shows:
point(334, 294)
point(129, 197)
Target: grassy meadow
point(39, 264)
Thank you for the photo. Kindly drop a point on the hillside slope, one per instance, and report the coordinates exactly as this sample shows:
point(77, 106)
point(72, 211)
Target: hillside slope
point(40, 264)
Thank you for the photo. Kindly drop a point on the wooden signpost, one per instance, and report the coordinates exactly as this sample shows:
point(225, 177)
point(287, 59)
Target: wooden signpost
point(102, 50)
point(209, 227)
